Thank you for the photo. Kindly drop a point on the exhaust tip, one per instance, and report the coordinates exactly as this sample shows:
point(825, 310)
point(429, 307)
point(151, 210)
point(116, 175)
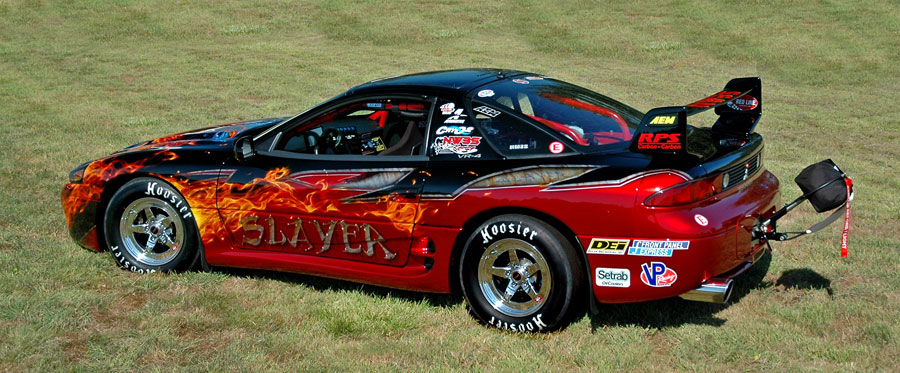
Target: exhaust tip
point(714, 290)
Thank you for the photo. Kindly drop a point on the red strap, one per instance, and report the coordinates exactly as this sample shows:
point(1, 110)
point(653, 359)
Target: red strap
point(844, 236)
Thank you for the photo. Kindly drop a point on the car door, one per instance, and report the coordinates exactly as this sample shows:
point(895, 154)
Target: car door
point(343, 183)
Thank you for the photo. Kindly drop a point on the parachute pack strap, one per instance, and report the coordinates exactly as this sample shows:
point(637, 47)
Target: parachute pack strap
point(831, 218)
point(846, 233)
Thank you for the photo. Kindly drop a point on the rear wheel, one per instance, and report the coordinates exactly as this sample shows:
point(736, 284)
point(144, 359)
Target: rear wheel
point(519, 273)
point(149, 227)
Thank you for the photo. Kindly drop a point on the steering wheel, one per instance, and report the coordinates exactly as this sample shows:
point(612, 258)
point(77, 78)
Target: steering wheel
point(330, 140)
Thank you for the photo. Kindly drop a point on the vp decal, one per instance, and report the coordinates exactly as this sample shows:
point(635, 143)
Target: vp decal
point(657, 275)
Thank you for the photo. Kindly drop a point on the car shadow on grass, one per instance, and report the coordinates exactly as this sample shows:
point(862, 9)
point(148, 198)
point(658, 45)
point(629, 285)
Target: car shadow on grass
point(326, 284)
point(674, 312)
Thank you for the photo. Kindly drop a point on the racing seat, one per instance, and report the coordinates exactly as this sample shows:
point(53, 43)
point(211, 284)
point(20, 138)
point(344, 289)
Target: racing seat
point(409, 142)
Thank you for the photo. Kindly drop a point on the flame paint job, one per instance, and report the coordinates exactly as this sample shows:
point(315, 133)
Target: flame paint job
point(421, 207)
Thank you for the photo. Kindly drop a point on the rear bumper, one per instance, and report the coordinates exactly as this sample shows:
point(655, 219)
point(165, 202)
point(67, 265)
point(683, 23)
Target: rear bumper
point(674, 252)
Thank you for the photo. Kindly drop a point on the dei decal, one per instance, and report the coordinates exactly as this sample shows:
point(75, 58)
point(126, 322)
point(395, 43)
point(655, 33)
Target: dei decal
point(657, 275)
point(460, 145)
point(613, 277)
point(657, 247)
point(608, 246)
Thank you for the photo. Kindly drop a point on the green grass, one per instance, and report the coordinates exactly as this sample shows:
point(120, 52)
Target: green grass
point(80, 79)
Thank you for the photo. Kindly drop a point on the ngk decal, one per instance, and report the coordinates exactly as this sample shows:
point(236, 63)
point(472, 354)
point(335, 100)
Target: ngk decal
point(659, 141)
point(657, 275)
point(613, 277)
point(456, 144)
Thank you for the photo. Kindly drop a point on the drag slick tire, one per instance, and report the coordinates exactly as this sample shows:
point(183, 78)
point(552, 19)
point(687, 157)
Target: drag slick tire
point(149, 227)
point(518, 273)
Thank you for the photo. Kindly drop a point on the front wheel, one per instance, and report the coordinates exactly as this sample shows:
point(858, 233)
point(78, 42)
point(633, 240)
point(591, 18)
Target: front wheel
point(149, 227)
point(519, 273)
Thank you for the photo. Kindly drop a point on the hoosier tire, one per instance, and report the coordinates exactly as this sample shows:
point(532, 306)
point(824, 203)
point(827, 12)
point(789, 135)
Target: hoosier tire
point(518, 273)
point(149, 227)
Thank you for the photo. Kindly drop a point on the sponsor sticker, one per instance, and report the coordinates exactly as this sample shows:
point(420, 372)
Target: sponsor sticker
point(557, 147)
point(657, 275)
point(659, 141)
point(520, 81)
point(447, 108)
point(375, 105)
point(744, 103)
point(485, 93)
point(487, 111)
point(701, 220)
point(457, 118)
point(460, 145)
point(518, 147)
point(534, 78)
point(608, 246)
point(662, 120)
point(454, 130)
point(657, 247)
point(612, 277)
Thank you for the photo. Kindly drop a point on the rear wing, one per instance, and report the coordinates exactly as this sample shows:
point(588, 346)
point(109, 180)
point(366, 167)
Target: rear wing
point(739, 106)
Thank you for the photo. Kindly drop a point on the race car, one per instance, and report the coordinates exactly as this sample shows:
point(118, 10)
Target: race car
point(533, 197)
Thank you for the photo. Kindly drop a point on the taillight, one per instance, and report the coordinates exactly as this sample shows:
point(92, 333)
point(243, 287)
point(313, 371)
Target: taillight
point(687, 192)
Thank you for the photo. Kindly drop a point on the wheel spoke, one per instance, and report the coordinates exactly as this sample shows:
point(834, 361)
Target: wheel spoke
point(511, 289)
point(166, 221)
point(500, 271)
point(529, 289)
point(138, 228)
point(151, 243)
point(531, 269)
point(513, 257)
point(148, 214)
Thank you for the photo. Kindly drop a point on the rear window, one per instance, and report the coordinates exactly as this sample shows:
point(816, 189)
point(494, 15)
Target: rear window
point(589, 119)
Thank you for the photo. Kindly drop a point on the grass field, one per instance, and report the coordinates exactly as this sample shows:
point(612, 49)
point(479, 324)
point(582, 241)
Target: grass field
point(80, 79)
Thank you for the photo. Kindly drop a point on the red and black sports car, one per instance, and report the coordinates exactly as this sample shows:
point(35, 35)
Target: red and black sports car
point(532, 196)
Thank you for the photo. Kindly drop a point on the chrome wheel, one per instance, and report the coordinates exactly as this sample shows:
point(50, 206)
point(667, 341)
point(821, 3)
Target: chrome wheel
point(514, 277)
point(152, 232)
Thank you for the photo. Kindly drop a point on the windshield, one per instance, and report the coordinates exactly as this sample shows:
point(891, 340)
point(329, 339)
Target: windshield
point(587, 118)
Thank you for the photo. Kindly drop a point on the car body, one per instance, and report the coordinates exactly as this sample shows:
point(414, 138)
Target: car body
point(394, 181)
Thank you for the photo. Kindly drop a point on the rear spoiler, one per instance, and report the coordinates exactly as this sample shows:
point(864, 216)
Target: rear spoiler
point(739, 106)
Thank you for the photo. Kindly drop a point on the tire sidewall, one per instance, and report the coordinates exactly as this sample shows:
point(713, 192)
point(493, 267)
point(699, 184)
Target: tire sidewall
point(164, 192)
point(557, 307)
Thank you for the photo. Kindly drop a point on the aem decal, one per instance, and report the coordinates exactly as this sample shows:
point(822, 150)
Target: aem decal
point(657, 275)
point(608, 246)
point(662, 120)
point(613, 277)
point(657, 247)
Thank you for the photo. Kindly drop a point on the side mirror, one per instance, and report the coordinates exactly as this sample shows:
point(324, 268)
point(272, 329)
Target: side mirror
point(243, 149)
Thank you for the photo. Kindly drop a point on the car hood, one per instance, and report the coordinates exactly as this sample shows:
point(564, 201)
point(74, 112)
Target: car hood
point(221, 135)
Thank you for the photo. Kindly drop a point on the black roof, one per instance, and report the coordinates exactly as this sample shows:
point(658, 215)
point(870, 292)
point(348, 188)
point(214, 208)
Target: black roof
point(462, 80)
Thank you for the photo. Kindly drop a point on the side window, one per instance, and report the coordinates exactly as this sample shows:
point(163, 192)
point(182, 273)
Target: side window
point(512, 136)
point(453, 135)
point(372, 127)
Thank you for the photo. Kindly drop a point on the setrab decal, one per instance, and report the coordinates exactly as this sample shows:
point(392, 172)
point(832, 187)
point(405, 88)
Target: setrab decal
point(613, 277)
point(657, 275)
point(608, 246)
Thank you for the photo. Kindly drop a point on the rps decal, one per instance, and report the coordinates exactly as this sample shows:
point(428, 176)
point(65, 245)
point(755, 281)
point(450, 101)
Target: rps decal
point(662, 120)
point(659, 141)
point(448, 108)
point(656, 274)
point(454, 130)
point(457, 118)
point(608, 246)
point(657, 247)
point(488, 233)
point(535, 324)
point(613, 277)
point(744, 103)
point(348, 234)
point(460, 145)
point(487, 111)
